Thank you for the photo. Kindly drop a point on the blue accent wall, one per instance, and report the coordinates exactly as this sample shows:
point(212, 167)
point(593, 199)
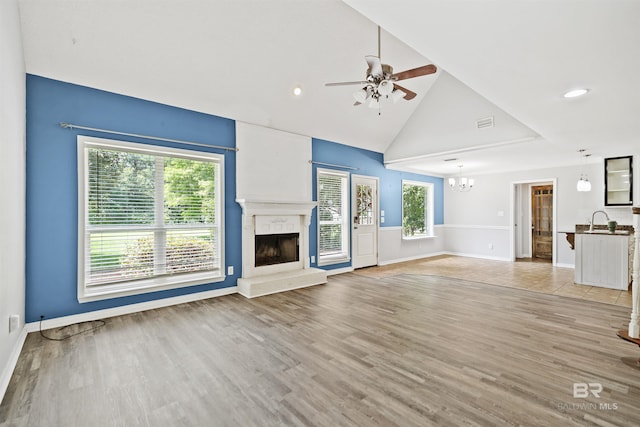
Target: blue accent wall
point(52, 202)
point(369, 163)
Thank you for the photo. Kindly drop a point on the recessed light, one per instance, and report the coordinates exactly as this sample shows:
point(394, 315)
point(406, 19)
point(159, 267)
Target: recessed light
point(576, 93)
point(297, 91)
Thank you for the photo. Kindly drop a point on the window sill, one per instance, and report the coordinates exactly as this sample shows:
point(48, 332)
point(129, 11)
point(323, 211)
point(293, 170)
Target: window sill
point(103, 292)
point(431, 236)
point(334, 259)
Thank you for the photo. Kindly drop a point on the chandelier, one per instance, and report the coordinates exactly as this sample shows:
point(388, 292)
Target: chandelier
point(463, 184)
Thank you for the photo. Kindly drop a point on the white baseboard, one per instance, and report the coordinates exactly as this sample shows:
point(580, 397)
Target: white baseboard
point(127, 309)
point(565, 265)
point(339, 271)
point(7, 372)
point(494, 258)
point(411, 258)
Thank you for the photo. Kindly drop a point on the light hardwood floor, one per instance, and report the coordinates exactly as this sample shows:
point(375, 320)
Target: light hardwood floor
point(534, 276)
point(368, 348)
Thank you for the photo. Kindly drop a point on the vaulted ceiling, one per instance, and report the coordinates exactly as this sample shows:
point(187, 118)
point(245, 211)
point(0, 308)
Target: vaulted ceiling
point(241, 59)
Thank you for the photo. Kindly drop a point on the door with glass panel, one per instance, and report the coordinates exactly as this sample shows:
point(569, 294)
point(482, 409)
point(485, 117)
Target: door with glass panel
point(542, 221)
point(364, 196)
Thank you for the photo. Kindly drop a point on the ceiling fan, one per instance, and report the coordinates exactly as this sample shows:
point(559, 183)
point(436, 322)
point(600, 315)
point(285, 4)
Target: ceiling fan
point(380, 82)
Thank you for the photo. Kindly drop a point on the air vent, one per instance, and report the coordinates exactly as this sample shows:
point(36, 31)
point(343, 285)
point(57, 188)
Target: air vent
point(485, 123)
point(453, 159)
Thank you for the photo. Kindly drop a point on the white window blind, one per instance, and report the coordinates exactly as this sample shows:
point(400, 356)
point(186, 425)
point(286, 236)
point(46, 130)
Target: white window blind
point(333, 216)
point(150, 218)
point(417, 209)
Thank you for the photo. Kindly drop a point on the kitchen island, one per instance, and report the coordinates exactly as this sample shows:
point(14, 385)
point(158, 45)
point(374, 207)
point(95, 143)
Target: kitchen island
point(602, 257)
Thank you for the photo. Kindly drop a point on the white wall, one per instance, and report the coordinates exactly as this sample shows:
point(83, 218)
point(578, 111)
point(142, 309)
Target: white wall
point(473, 221)
point(393, 248)
point(272, 165)
point(12, 187)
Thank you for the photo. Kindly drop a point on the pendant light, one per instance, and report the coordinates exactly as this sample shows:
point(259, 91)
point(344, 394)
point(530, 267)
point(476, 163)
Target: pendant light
point(583, 184)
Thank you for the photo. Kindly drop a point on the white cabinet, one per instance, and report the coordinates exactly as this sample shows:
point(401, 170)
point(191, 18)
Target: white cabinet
point(602, 259)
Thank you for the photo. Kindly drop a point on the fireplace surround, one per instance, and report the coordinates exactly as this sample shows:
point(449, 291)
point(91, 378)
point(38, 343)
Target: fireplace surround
point(286, 225)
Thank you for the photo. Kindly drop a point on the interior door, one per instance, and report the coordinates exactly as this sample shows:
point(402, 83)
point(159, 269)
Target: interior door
point(542, 221)
point(365, 221)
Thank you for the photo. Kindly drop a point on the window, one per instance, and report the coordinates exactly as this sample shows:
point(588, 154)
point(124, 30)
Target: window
point(417, 209)
point(333, 217)
point(149, 218)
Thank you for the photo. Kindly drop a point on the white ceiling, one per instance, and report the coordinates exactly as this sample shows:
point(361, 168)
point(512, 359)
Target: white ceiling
point(522, 56)
point(241, 59)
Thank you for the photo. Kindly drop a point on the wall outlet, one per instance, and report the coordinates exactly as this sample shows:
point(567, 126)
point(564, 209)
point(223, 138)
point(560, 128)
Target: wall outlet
point(14, 322)
point(313, 259)
point(490, 245)
point(230, 270)
point(381, 220)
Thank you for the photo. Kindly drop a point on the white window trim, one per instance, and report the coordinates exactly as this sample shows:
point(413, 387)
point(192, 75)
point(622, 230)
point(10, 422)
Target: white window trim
point(344, 256)
point(155, 284)
point(429, 221)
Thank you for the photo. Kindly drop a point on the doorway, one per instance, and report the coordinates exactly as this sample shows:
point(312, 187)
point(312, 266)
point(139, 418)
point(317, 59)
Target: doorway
point(534, 220)
point(365, 220)
point(542, 222)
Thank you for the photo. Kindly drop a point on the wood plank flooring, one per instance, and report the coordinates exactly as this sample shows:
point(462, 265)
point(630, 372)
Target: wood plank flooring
point(535, 276)
point(399, 350)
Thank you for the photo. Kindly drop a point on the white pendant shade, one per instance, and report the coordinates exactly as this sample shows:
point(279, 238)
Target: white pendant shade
point(385, 87)
point(360, 95)
point(583, 184)
point(397, 95)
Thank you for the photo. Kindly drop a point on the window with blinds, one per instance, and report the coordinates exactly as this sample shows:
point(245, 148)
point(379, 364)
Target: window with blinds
point(417, 209)
point(150, 218)
point(333, 216)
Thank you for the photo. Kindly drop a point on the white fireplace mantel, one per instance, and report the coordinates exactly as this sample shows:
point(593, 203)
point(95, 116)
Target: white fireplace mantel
point(263, 280)
point(275, 207)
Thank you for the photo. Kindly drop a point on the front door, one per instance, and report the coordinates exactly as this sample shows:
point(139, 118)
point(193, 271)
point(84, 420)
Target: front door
point(542, 221)
point(365, 221)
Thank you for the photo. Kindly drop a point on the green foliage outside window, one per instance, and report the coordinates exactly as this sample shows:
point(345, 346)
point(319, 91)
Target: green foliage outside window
point(122, 192)
point(414, 208)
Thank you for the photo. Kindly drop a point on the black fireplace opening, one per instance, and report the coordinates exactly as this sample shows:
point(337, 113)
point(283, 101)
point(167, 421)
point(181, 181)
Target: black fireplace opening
point(277, 249)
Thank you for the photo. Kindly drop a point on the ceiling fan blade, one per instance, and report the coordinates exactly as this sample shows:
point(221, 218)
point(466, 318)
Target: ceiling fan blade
point(375, 66)
point(347, 83)
point(409, 94)
point(415, 72)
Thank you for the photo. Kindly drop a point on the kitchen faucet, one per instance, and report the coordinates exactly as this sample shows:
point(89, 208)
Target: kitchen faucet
point(593, 215)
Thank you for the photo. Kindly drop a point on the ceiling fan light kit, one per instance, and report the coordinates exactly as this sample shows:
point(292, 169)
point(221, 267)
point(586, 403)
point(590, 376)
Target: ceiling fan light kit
point(397, 95)
point(380, 81)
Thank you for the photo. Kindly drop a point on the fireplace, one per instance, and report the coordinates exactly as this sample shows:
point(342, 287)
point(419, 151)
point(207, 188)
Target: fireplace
point(277, 249)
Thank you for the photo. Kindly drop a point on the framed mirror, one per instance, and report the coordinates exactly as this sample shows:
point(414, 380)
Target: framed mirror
point(618, 181)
